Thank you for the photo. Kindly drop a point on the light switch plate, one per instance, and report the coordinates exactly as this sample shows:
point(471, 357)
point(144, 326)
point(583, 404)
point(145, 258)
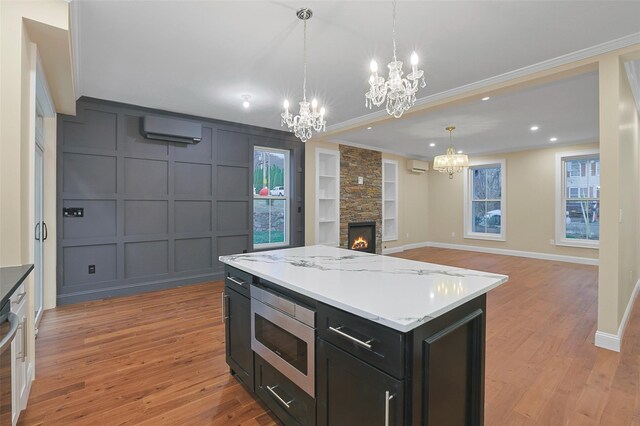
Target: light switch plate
point(360, 180)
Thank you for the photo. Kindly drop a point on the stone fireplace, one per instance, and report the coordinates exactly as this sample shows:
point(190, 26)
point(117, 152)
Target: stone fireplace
point(361, 199)
point(362, 236)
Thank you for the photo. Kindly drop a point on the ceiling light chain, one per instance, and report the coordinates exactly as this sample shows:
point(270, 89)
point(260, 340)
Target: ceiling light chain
point(399, 93)
point(303, 124)
point(451, 162)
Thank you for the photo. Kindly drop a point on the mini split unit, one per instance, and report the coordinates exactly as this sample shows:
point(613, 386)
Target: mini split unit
point(417, 166)
point(171, 129)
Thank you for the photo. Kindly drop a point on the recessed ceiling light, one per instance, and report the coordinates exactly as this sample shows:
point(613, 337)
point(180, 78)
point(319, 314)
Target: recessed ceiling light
point(486, 98)
point(534, 128)
point(245, 100)
point(553, 139)
point(459, 151)
point(432, 144)
point(369, 128)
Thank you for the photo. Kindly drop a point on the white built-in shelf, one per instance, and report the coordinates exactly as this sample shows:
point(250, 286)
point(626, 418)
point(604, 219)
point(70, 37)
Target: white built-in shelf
point(390, 198)
point(327, 197)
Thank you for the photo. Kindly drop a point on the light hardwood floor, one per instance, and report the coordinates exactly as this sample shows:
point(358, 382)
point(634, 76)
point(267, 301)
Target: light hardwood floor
point(158, 358)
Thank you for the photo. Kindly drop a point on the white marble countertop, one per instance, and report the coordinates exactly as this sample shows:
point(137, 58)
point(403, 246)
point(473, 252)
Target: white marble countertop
point(399, 293)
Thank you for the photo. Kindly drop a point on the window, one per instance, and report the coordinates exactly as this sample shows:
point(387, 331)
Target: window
point(271, 194)
point(578, 199)
point(485, 201)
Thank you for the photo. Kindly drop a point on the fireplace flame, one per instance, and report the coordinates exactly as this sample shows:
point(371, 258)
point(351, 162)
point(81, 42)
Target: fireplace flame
point(359, 244)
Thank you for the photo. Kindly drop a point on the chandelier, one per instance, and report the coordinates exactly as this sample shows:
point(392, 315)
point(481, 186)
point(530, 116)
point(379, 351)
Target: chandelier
point(451, 162)
point(309, 118)
point(400, 93)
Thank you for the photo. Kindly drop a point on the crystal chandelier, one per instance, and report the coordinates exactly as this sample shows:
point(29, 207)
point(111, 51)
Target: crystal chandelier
point(400, 93)
point(308, 119)
point(451, 162)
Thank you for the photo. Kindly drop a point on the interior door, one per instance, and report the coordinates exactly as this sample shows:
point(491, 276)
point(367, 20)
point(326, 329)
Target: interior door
point(40, 226)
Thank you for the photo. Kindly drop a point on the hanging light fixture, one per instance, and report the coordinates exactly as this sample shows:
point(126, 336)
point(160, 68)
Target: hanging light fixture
point(400, 93)
point(451, 162)
point(308, 119)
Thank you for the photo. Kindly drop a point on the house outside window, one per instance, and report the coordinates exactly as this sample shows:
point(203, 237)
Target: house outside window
point(578, 199)
point(271, 197)
point(485, 201)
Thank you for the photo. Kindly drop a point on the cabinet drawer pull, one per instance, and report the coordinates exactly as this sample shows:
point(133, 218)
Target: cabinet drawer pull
point(236, 280)
point(273, 392)
point(339, 332)
point(20, 298)
point(387, 398)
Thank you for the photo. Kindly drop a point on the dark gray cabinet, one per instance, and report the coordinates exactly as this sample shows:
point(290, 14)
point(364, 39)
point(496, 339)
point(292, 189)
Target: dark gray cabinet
point(291, 404)
point(367, 373)
point(237, 316)
point(352, 392)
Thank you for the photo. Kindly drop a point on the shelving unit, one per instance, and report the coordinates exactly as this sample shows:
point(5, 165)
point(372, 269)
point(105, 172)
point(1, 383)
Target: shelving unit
point(389, 200)
point(327, 197)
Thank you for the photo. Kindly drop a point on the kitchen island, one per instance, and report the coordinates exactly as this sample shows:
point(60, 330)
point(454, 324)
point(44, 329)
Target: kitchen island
point(332, 336)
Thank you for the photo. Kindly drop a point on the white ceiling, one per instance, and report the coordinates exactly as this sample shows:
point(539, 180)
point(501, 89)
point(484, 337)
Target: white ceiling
point(565, 109)
point(200, 57)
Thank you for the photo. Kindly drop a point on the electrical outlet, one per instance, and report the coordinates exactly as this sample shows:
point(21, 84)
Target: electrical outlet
point(407, 235)
point(92, 269)
point(360, 180)
point(552, 241)
point(453, 234)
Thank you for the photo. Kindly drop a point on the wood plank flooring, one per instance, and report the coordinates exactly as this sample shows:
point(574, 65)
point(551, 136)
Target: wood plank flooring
point(158, 358)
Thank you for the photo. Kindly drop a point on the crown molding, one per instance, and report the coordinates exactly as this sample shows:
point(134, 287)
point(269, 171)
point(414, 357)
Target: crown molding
point(375, 148)
point(579, 55)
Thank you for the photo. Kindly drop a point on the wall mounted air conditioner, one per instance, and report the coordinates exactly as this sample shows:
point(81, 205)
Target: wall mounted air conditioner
point(417, 166)
point(171, 129)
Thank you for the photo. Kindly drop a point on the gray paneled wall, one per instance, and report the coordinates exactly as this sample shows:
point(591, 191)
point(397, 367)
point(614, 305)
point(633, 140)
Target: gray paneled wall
point(156, 214)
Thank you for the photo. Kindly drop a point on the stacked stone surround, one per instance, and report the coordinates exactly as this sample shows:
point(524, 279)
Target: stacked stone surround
point(360, 203)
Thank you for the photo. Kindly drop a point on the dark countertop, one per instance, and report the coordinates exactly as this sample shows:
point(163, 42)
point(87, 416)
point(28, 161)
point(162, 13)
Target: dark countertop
point(10, 279)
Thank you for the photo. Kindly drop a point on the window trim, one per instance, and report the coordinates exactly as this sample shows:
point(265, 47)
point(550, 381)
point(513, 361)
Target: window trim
point(286, 197)
point(560, 212)
point(468, 233)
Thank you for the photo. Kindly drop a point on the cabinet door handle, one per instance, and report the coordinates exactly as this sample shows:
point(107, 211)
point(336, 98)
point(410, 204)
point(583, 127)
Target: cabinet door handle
point(273, 392)
point(236, 280)
point(20, 297)
point(20, 355)
point(339, 332)
point(45, 231)
point(24, 340)
point(387, 398)
point(224, 314)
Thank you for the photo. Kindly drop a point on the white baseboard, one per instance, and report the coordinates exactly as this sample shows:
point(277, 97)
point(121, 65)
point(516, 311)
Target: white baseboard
point(608, 341)
point(613, 342)
point(392, 250)
point(400, 249)
point(507, 252)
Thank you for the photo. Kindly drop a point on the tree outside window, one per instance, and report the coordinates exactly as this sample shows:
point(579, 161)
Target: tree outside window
point(270, 197)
